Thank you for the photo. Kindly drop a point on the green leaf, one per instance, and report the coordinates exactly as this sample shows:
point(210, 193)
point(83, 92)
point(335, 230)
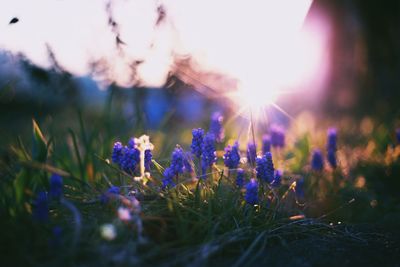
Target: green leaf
point(289, 155)
point(39, 144)
point(158, 166)
point(19, 184)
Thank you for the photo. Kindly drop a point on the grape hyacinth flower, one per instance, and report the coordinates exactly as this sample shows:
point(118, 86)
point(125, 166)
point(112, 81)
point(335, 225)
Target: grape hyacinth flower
point(240, 178)
point(317, 161)
point(277, 179)
point(331, 157)
point(398, 135)
point(130, 159)
point(177, 161)
point(41, 207)
point(113, 190)
point(232, 156)
point(56, 186)
point(117, 153)
point(265, 168)
point(148, 156)
point(332, 140)
point(208, 156)
point(251, 153)
point(216, 126)
point(266, 144)
point(176, 167)
point(332, 147)
point(132, 143)
point(251, 195)
point(277, 137)
point(169, 175)
point(299, 189)
point(197, 142)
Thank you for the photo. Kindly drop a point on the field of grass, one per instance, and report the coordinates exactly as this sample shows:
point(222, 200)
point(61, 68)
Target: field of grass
point(315, 216)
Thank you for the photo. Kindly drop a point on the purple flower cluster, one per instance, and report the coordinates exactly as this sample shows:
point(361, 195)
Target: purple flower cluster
point(266, 144)
point(168, 180)
point(277, 137)
point(177, 161)
point(240, 178)
point(208, 155)
point(251, 195)
point(105, 197)
point(216, 126)
point(126, 157)
point(277, 179)
point(317, 161)
point(332, 147)
point(232, 156)
point(130, 159)
point(331, 157)
point(40, 211)
point(332, 139)
point(197, 142)
point(56, 186)
point(265, 168)
point(176, 167)
point(117, 153)
point(300, 188)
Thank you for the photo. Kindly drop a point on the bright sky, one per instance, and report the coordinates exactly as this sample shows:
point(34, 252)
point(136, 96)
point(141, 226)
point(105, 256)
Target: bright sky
point(252, 41)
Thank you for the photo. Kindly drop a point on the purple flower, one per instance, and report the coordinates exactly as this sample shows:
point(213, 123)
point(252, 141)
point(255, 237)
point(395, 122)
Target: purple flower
point(56, 186)
point(332, 140)
point(317, 161)
point(251, 153)
point(40, 211)
point(277, 179)
point(130, 159)
point(300, 188)
point(148, 156)
point(105, 197)
point(277, 137)
point(131, 143)
point(208, 156)
point(232, 156)
point(240, 178)
point(177, 161)
point(117, 153)
point(216, 126)
point(197, 141)
point(265, 168)
point(251, 195)
point(398, 135)
point(168, 178)
point(266, 144)
point(331, 156)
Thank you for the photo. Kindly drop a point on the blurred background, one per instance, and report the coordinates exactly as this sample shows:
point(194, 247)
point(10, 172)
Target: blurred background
point(361, 58)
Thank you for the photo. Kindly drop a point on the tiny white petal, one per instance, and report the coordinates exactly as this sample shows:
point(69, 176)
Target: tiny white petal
point(108, 231)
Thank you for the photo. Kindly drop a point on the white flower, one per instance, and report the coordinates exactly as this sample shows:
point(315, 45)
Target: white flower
point(108, 231)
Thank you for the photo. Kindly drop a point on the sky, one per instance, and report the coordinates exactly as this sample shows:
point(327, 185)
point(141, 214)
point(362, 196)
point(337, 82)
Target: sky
point(254, 42)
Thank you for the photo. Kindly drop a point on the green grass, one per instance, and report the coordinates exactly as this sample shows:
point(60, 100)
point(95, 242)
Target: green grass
point(199, 222)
